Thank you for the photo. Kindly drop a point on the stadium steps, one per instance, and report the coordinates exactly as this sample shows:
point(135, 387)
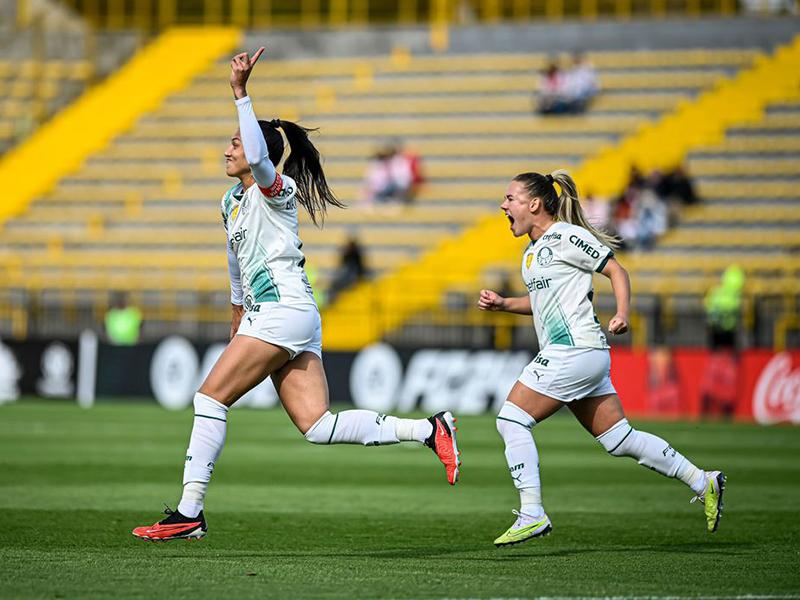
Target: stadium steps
point(33, 89)
point(403, 63)
point(161, 178)
point(437, 171)
point(474, 103)
point(149, 238)
point(460, 263)
point(391, 125)
point(432, 147)
point(754, 221)
point(720, 212)
point(77, 132)
point(745, 167)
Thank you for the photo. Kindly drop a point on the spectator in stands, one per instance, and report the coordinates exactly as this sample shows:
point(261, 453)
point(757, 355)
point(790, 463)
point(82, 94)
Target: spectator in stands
point(393, 175)
point(677, 190)
point(640, 214)
point(624, 211)
point(352, 268)
point(597, 211)
point(652, 219)
point(581, 84)
point(636, 178)
point(552, 98)
point(678, 186)
point(123, 321)
point(410, 164)
point(568, 92)
point(378, 184)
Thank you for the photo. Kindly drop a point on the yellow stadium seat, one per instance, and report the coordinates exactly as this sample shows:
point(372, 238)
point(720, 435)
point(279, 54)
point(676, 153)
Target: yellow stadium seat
point(104, 226)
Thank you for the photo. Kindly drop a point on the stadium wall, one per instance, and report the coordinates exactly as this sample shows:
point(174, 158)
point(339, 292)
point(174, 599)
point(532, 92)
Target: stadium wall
point(568, 36)
point(660, 383)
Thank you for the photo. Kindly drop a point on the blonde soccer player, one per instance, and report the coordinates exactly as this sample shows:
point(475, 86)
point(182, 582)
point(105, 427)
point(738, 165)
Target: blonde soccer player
point(275, 326)
point(573, 365)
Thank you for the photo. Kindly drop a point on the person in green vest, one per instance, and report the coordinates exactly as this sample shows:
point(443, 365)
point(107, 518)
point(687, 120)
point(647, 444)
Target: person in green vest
point(723, 305)
point(719, 390)
point(123, 322)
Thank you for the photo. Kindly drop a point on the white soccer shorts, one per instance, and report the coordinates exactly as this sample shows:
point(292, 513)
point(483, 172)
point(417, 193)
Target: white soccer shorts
point(295, 328)
point(567, 373)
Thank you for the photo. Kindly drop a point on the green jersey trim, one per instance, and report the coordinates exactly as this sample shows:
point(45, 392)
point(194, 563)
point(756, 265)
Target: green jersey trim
point(513, 421)
point(227, 204)
point(603, 263)
point(264, 288)
point(333, 429)
point(262, 281)
point(207, 417)
point(570, 339)
point(555, 324)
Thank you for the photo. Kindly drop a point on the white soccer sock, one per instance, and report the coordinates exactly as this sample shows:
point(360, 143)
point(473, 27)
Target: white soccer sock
point(652, 452)
point(412, 430)
point(205, 446)
point(514, 426)
point(355, 427)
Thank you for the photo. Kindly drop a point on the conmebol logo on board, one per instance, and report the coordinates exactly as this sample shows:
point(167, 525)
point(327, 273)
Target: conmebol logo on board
point(777, 393)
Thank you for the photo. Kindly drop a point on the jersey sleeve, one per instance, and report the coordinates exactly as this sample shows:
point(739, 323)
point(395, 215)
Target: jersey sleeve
point(281, 195)
point(581, 249)
point(255, 146)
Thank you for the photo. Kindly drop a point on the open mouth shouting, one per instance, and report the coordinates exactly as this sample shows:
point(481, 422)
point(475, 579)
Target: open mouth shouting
point(510, 219)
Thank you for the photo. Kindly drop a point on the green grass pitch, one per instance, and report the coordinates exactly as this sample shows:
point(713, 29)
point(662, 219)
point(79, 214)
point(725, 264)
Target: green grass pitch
point(292, 520)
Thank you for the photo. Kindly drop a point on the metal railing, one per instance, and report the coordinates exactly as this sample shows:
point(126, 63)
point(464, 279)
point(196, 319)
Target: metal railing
point(767, 320)
point(156, 14)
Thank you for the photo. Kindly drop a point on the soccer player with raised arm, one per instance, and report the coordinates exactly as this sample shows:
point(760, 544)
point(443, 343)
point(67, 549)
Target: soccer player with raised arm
point(573, 364)
point(275, 325)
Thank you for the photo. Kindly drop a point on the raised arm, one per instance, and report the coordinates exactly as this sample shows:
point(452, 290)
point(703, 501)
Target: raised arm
point(621, 284)
point(489, 300)
point(253, 142)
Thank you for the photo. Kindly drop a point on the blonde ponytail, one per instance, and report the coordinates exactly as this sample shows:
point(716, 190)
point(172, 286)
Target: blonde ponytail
point(570, 210)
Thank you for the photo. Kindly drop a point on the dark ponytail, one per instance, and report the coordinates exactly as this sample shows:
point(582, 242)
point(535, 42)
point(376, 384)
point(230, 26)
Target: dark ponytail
point(302, 164)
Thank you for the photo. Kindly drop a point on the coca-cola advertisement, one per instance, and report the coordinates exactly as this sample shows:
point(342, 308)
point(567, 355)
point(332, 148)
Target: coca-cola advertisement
point(772, 383)
point(753, 385)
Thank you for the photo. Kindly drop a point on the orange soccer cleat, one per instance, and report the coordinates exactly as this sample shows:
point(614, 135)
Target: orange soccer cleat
point(174, 527)
point(443, 442)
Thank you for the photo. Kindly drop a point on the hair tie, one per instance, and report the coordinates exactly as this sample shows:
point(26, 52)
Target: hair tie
point(557, 188)
point(287, 149)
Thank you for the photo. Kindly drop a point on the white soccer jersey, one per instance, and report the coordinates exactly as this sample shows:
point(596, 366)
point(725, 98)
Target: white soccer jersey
point(557, 270)
point(262, 231)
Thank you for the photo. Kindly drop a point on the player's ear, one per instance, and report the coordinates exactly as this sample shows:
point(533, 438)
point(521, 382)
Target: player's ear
point(534, 204)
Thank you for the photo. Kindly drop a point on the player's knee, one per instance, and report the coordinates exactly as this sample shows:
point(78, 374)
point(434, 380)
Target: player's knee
point(511, 417)
point(321, 432)
point(616, 439)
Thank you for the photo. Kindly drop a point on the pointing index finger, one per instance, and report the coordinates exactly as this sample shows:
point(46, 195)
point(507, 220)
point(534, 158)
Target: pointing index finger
point(256, 56)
